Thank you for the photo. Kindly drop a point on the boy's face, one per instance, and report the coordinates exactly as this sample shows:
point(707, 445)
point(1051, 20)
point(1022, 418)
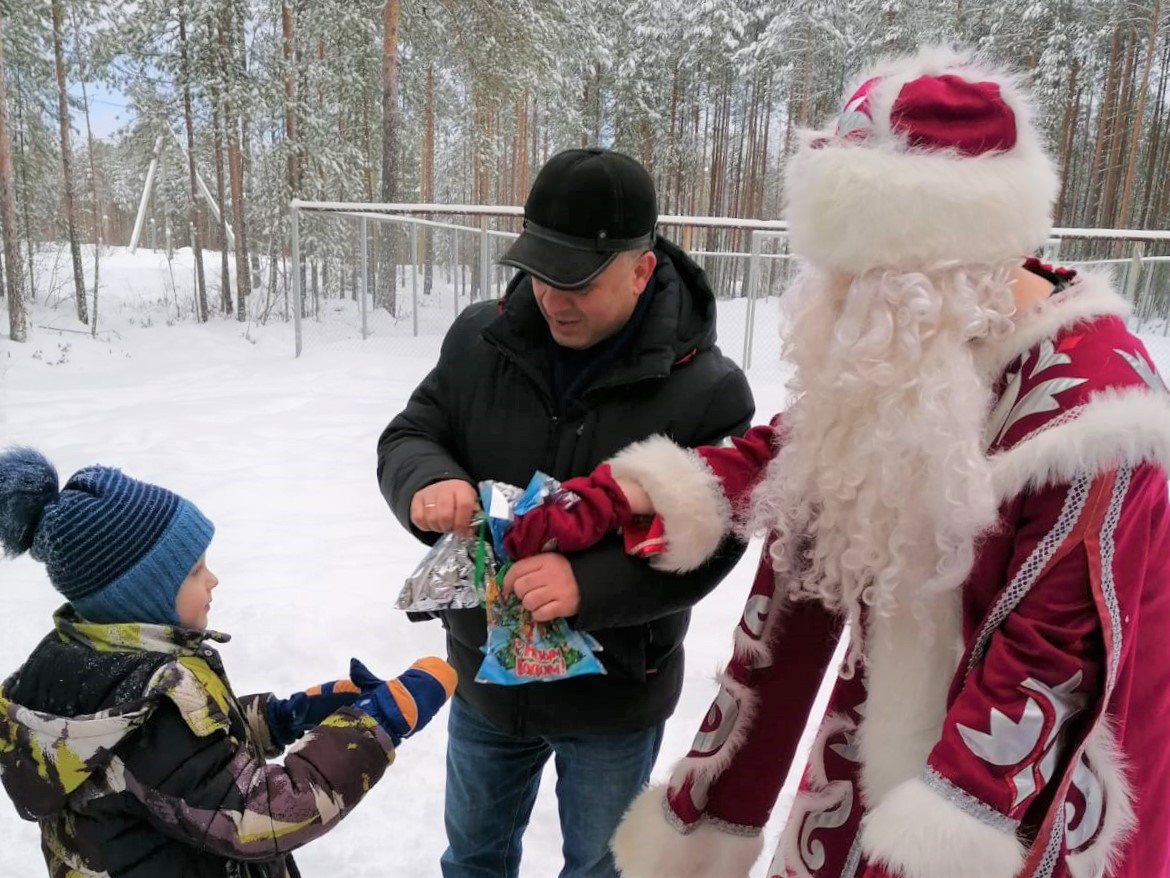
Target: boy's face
point(193, 602)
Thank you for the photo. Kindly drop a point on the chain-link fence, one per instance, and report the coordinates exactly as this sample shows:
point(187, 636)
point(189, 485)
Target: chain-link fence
point(380, 273)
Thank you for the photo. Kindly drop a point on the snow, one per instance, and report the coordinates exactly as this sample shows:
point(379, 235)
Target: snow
point(280, 454)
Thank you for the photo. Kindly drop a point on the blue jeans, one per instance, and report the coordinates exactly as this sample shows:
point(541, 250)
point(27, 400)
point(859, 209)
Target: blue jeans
point(492, 780)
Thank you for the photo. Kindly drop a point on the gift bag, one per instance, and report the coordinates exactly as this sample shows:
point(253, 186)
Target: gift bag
point(462, 572)
point(445, 579)
point(519, 649)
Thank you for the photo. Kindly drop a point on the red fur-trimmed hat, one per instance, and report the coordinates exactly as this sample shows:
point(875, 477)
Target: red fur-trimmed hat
point(933, 159)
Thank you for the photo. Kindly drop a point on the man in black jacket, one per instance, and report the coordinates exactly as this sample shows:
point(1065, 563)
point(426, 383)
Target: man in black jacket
point(604, 337)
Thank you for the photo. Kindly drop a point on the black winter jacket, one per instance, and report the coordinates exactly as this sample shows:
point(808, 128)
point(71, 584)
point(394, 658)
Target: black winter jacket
point(486, 411)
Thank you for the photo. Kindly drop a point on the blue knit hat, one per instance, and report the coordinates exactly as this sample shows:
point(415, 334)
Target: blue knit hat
point(118, 549)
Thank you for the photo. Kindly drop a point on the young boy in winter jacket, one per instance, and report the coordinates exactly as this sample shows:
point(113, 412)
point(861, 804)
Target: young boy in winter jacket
point(121, 735)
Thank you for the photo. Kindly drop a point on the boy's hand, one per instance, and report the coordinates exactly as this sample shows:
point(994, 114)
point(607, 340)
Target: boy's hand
point(404, 705)
point(289, 718)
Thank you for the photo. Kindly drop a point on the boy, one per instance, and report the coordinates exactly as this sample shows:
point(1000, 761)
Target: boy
point(121, 736)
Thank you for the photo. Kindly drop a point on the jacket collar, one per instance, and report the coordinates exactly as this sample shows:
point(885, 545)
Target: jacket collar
point(131, 636)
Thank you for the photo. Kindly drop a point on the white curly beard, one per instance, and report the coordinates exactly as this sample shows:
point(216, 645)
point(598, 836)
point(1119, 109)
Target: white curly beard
point(882, 486)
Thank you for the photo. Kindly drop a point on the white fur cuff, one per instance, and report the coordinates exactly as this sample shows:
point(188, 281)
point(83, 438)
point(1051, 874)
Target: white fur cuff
point(647, 846)
point(918, 833)
point(686, 495)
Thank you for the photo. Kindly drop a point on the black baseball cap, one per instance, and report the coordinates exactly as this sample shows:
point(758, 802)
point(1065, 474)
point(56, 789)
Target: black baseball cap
point(585, 207)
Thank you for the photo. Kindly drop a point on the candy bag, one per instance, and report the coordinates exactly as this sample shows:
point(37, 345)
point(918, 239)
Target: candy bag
point(519, 649)
point(445, 579)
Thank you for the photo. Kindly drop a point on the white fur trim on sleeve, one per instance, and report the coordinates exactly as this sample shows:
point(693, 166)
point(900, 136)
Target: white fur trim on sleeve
point(1114, 428)
point(646, 845)
point(686, 495)
point(918, 833)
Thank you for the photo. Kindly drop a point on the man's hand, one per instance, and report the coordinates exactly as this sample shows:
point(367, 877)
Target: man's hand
point(444, 507)
point(545, 585)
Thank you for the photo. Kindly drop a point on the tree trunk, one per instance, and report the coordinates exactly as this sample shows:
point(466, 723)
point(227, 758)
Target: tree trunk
point(1097, 168)
point(235, 121)
point(25, 197)
point(1118, 132)
point(189, 121)
point(389, 279)
point(367, 146)
point(1155, 181)
point(17, 321)
point(807, 75)
point(428, 181)
point(674, 166)
point(290, 98)
point(93, 186)
point(1068, 130)
point(67, 165)
point(97, 209)
point(759, 205)
point(1138, 116)
point(217, 117)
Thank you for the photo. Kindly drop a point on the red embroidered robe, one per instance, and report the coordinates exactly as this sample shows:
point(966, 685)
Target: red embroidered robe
point(1026, 739)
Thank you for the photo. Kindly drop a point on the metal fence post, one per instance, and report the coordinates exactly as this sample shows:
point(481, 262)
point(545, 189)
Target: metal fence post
point(458, 270)
point(294, 228)
point(1133, 273)
point(485, 267)
point(414, 275)
point(753, 281)
point(363, 230)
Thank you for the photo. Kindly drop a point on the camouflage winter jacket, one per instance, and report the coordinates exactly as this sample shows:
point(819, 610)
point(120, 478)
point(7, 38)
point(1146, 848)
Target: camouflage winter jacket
point(126, 744)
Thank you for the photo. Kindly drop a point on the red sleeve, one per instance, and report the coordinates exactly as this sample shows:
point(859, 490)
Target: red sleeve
point(739, 466)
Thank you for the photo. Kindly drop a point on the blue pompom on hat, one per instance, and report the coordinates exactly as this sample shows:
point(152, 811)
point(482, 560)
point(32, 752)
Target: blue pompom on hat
point(118, 549)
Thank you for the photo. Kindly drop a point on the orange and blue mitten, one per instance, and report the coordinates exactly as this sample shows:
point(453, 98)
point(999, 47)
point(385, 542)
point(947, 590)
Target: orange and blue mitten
point(404, 705)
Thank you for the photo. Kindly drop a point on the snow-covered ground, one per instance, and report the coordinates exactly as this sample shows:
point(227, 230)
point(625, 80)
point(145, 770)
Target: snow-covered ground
point(279, 453)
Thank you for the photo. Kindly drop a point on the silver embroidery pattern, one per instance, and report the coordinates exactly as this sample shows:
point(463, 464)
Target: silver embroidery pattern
point(1108, 586)
point(1144, 370)
point(967, 803)
point(1029, 572)
point(1065, 417)
point(1093, 812)
point(1047, 864)
point(677, 824)
point(853, 861)
point(739, 829)
point(717, 726)
point(1010, 744)
point(1041, 398)
point(812, 851)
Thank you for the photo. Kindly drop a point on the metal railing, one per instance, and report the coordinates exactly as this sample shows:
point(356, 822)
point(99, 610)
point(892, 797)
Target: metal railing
point(1125, 251)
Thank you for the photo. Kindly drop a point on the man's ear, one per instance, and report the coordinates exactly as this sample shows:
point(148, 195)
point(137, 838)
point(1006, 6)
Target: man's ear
point(643, 268)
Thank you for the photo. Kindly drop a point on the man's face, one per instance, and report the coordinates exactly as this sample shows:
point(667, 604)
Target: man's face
point(579, 319)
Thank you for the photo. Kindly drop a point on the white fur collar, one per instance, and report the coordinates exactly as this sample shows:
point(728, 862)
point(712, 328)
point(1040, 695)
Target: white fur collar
point(1091, 295)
